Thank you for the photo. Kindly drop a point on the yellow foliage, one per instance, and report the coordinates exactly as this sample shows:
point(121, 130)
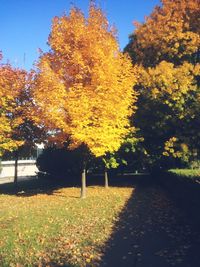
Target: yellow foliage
point(169, 149)
point(84, 85)
point(174, 148)
point(168, 83)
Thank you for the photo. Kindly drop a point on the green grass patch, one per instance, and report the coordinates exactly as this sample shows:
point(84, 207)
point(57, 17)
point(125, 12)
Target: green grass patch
point(58, 228)
point(186, 173)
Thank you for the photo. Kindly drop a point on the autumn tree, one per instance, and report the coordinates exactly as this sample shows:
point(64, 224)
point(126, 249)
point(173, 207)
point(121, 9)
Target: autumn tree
point(166, 47)
point(17, 128)
point(12, 82)
point(84, 84)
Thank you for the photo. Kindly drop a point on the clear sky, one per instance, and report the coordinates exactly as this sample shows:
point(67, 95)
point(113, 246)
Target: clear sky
point(26, 24)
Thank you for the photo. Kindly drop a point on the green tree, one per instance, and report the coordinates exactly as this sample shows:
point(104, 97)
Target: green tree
point(166, 49)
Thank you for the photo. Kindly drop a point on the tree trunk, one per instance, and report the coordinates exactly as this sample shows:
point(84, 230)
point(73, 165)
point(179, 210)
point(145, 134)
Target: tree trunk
point(16, 168)
point(83, 184)
point(106, 178)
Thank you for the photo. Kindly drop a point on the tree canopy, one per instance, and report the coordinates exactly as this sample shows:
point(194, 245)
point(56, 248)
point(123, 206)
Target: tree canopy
point(166, 49)
point(84, 85)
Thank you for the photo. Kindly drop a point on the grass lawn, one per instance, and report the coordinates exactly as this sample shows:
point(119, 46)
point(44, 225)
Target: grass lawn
point(186, 173)
point(58, 228)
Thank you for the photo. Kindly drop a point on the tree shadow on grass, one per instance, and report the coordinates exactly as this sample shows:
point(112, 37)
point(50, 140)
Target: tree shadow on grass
point(31, 187)
point(152, 232)
point(48, 185)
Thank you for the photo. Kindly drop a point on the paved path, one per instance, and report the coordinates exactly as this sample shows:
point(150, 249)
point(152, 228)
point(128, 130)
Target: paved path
point(20, 178)
point(152, 232)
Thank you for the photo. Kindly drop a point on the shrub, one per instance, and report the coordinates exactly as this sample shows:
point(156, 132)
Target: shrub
point(60, 161)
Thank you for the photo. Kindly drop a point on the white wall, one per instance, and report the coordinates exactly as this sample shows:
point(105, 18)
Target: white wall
point(25, 168)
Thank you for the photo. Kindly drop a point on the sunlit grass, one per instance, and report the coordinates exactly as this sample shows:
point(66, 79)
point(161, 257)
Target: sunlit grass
point(58, 228)
point(186, 173)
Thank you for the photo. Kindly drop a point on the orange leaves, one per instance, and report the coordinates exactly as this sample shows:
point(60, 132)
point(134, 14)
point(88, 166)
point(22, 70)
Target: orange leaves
point(171, 32)
point(12, 84)
point(84, 85)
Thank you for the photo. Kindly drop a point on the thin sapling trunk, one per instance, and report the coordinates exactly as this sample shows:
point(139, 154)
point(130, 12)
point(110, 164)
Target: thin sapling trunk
point(106, 178)
point(16, 168)
point(83, 184)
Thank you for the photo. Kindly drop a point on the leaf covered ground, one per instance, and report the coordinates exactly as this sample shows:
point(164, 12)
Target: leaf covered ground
point(58, 228)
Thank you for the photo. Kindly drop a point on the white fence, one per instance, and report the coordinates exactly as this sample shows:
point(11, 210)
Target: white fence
point(25, 168)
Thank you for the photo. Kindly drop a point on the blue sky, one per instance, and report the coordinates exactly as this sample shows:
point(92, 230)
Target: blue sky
point(26, 24)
